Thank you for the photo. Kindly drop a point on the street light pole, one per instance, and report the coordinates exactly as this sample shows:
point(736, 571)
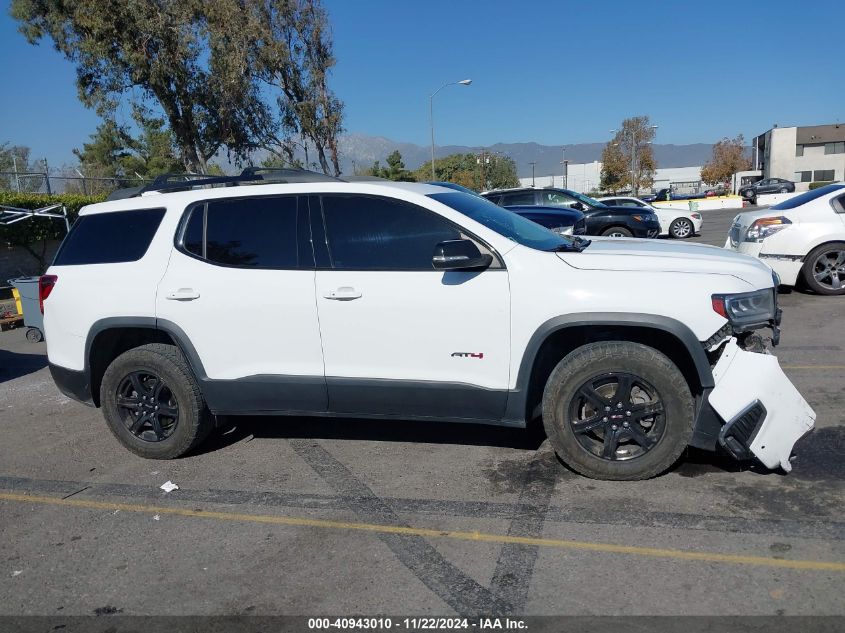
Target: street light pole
point(532, 174)
point(462, 82)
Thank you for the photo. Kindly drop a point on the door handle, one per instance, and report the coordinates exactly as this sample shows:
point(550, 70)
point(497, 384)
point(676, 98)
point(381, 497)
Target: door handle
point(183, 294)
point(344, 293)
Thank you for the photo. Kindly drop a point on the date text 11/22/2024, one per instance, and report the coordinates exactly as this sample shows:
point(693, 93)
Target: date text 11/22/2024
point(416, 624)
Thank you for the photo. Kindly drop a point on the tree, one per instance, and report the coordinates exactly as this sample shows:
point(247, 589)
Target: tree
point(395, 169)
point(614, 168)
point(729, 157)
point(15, 159)
point(633, 138)
point(204, 66)
point(485, 170)
point(114, 155)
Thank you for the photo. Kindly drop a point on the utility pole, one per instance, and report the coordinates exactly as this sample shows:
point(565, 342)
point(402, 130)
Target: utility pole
point(532, 174)
point(47, 176)
point(633, 163)
point(17, 180)
point(565, 169)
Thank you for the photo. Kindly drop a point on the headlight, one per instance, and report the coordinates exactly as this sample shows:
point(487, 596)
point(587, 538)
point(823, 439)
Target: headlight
point(747, 310)
point(765, 227)
point(638, 218)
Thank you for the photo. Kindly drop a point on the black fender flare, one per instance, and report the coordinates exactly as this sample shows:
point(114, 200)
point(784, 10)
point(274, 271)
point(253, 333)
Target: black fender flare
point(516, 406)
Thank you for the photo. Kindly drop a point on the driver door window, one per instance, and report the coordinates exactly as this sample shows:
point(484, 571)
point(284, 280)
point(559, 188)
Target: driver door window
point(556, 199)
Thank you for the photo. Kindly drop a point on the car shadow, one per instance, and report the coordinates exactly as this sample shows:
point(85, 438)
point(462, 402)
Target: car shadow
point(692, 463)
point(14, 365)
point(233, 429)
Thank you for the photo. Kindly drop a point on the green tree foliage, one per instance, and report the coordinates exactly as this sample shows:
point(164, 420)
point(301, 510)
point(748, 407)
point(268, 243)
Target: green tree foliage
point(113, 153)
point(395, 169)
point(634, 136)
point(729, 156)
point(206, 66)
point(34, 234)
point(481, 171)
point(16, 158)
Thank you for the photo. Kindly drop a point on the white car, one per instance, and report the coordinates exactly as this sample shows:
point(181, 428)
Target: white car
point(411, 301)
point(675, 223)
point(801, 239)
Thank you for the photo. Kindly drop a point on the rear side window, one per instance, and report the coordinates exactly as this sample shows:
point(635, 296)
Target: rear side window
point(368, 233)
point(516, 199)
point(245, 232)
point(109, 238)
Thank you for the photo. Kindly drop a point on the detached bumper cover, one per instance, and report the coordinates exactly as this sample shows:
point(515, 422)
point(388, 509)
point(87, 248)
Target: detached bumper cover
point(764, 413)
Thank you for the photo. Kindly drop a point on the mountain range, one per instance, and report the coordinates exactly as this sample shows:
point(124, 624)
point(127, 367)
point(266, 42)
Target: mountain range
point(360, 151)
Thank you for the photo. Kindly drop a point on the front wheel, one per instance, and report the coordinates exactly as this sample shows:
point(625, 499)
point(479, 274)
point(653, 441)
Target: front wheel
point(618, 410)
point(617, 231)
point(681, 228)
point(824, 269)
point(152, 403)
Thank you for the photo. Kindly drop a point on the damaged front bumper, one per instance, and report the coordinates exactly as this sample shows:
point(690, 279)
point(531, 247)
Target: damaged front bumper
point(763, 413)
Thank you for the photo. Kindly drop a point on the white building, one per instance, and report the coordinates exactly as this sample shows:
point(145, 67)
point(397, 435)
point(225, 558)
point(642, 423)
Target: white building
point(584, 177)
point(802, 154)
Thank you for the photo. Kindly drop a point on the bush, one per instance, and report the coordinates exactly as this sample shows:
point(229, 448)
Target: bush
point(33, 234)
point(816, 185)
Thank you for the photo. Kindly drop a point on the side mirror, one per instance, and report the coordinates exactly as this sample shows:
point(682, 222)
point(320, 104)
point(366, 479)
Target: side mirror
point(459, 255)
point(579, 206)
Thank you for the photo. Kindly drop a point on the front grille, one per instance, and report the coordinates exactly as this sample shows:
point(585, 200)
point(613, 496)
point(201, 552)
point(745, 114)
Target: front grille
point(653, 232)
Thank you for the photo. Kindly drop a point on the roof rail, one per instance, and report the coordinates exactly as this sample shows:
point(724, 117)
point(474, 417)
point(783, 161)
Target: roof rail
point(183, 182)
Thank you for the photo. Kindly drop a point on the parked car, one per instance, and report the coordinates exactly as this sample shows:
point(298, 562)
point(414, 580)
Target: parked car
point(601, 219)
point(767, 185)
point(452, 185)
point(673, 222)
point(665, 195)
point(558, 219)
point(411, 301)
point(802, 239)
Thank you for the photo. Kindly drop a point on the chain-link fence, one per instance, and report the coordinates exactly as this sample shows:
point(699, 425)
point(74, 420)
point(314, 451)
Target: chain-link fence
point(43, 182)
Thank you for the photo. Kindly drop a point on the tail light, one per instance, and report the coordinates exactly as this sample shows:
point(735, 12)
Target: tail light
point(45, 287)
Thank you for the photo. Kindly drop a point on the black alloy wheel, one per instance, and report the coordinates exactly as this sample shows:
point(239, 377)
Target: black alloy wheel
point(147, 406)
point(617, 416)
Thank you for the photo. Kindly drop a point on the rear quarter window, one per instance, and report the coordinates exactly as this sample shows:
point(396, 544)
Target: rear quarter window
point(109, 238)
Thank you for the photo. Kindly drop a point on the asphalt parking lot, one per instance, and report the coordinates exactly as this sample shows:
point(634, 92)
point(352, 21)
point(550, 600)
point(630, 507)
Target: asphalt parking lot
point(313, 516)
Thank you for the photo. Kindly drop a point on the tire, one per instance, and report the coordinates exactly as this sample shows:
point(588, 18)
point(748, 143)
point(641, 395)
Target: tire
point(824, 269)
point(128, 383)
point(681, 228)
point(783, 190)
point(34, 335)
point(664, 429)
point(617, 231)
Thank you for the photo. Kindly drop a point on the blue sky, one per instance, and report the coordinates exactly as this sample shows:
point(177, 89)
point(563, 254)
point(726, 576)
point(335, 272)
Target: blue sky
point(550, 71)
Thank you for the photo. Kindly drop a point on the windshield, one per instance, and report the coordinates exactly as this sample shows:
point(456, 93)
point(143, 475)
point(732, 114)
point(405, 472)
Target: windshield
point(512, 226)
point(806, 197)
point(590, 202)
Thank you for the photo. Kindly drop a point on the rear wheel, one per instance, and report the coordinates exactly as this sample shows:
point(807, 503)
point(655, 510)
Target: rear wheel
point(618, 410)
point(824, 269)
point(152, 403)
point(784, 190)
point(617, 231)
point(681, 228)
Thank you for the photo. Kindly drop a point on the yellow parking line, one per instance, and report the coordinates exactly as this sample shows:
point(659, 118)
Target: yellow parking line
point(606, 548)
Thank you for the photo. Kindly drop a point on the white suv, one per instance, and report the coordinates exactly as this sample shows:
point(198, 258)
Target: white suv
point(412, 301)
point(802, 238)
